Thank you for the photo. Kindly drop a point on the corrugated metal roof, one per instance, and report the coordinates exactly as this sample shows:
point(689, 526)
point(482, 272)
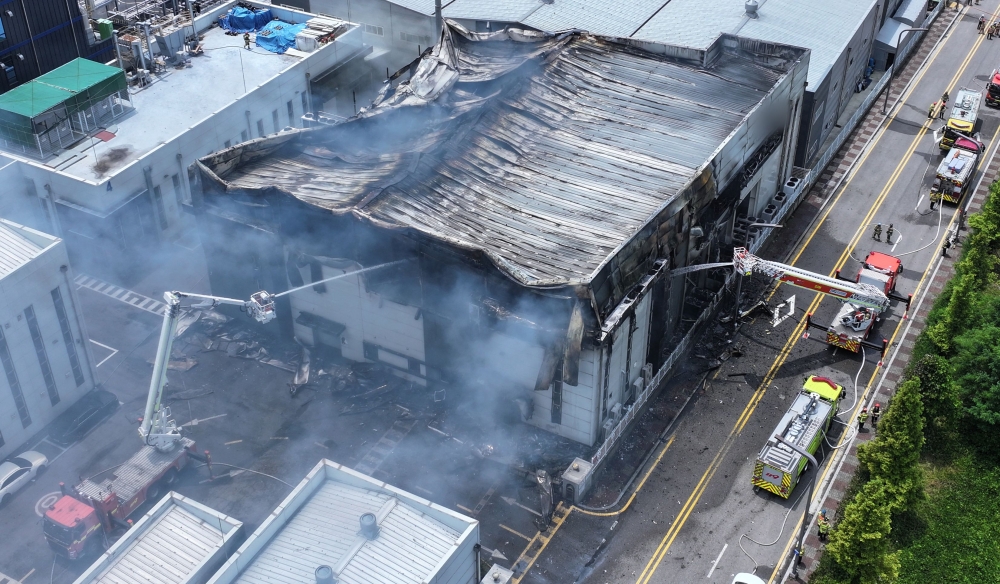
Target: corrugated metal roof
point(167, 552)
point(692, 23)
point(319, 523)
point(19, 245)
point(407, 549)
point(175, 543)
point(421, 6)
point(826, 28)
point(620, 19)
point(548, 169)
point(496, 11)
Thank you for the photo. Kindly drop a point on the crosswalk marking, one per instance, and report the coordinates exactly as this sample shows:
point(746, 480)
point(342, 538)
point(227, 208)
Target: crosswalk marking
point(121, 294)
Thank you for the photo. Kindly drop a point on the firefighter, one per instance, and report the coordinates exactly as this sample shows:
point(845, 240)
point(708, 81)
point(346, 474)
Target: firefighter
point(944, 248)
point(861, 419)
point(888, 234)
point(877, 234)
point(876, 412)
point(934, 108)
point(982, 24)
point(823, 526)
point(246, 40)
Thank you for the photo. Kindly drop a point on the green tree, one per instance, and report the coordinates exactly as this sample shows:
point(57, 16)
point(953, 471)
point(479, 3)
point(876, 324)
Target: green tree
point(977, 373)
point(975, 272)
point(860, 546)
point(894, 454)
point(942, 406)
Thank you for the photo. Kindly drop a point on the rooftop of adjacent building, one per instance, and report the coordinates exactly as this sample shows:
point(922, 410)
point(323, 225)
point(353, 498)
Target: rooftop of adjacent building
point(318, 524)
point(824, 27)
point(190, 534)
point(179, 98)
point(19, 245)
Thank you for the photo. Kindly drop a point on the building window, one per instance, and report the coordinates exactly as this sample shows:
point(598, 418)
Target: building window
point(67, 333)
point(3, 37)
point(557, 395)
point(12, 381)
point(316, 274)
point(11, 75)
point(43, 358)
point(424, 41)
point(274, 118)
point(175, 179)
point(291, 114)
point(375, 30)
point(260, 128)
point(305, 103)
point(160, 210)
point(244, 136)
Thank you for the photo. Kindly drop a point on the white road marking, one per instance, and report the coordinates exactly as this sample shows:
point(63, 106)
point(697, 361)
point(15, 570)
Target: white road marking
point(113, 351)
point(716, 562)
point(45, 502)
point(898, 239)
point(123, 295)
point(920, 200)
point(25, 577)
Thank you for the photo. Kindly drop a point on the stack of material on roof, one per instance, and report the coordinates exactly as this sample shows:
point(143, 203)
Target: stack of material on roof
point(242, 20)
point(278, 36)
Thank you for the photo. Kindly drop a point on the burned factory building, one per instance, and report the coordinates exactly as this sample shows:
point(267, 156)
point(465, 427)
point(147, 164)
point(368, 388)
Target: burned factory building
point(518, 202)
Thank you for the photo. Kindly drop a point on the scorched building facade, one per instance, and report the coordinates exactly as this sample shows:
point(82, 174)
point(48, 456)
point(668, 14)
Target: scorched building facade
point(535, 191)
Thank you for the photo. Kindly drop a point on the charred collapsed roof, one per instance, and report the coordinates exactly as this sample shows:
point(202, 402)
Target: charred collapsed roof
point(566, 161)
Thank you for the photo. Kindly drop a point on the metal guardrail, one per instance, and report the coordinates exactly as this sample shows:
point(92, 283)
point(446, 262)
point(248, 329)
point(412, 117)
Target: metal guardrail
point(612, 439)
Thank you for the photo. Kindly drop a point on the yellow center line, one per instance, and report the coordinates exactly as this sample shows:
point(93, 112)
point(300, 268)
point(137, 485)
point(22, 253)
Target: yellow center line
point(557, 521)
point(899, 325)
point(702, 484)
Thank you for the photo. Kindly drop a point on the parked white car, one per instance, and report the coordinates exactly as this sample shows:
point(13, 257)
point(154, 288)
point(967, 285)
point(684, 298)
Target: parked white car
point(745, 578)
point(18, 471)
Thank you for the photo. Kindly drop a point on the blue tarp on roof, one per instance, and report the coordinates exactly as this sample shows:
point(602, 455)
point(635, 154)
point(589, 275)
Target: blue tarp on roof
point(278, 36)
point(241, 20)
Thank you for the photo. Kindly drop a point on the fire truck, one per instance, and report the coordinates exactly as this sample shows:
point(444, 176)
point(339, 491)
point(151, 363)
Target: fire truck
point(964, 117)
point(854, 323)
point(75, 526)
point(993, 89)
point(865, 298)
point(955, 173)
point(778, 468)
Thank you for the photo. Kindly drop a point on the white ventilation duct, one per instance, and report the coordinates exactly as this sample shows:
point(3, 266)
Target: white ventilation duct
point(751, 8)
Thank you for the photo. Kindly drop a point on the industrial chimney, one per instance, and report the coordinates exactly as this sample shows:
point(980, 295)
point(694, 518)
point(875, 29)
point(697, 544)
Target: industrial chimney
point(751, 8)
point(369, 528)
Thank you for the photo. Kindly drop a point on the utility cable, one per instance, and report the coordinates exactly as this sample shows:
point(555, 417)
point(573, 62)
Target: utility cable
point(936, 233)
point(776, 538)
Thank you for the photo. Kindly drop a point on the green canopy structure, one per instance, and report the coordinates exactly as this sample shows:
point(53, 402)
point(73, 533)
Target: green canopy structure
point(63, 104)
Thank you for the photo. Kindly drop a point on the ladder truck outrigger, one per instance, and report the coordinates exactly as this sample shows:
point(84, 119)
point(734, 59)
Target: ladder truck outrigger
point(865, 298)
point(76, 524)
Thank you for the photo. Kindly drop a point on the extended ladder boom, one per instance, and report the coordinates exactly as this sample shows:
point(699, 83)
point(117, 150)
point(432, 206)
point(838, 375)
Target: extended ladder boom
point(859, 294)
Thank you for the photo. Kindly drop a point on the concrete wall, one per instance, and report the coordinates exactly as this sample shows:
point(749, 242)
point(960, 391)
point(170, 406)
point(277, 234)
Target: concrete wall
point(32, 285)
point(393, 329)
point(404, 33)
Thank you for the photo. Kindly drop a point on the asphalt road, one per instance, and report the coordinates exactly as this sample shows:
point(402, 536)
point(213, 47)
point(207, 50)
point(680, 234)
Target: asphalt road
point(697, 508)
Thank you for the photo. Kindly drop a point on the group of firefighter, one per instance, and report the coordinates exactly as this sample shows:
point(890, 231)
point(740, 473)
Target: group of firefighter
point(823, 526)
